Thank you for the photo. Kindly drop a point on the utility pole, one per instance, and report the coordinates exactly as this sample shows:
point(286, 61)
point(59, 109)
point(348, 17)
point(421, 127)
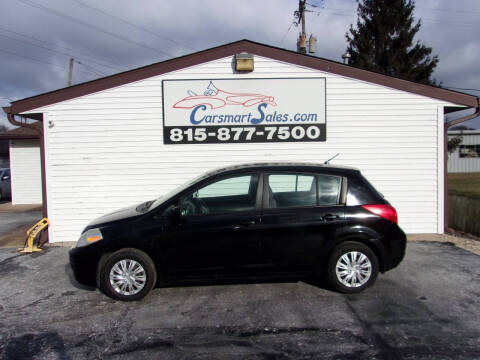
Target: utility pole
point(70, 71)
point(301, 8)
point(302, 37)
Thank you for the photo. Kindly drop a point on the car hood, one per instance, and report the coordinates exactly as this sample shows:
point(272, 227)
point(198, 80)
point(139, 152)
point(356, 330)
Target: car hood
point(122, 214)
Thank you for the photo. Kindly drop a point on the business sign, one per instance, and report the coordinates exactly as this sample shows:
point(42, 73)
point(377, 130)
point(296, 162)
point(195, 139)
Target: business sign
point(243, 110)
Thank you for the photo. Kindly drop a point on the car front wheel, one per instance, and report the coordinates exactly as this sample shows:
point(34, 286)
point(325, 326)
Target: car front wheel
point(352, 267)
point(128, 275)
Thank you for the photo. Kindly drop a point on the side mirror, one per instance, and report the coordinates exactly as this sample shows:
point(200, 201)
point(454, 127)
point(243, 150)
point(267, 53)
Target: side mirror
point(6, 177)
point(175, 215)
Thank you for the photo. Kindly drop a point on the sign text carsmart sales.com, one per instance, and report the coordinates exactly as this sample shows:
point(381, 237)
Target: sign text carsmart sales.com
point(198, 116)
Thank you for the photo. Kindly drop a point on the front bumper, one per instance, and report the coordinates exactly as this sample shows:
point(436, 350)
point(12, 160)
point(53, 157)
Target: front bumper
point(84, 263)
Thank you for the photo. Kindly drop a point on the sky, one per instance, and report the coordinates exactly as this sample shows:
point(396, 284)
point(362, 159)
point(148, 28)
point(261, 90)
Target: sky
point(38, 37)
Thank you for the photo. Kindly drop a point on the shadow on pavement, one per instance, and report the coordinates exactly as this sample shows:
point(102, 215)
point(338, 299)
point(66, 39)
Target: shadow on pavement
point(75, 283)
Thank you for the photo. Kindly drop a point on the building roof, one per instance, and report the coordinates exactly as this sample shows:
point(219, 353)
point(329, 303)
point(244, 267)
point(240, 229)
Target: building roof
point(463, 132)
point(49, 98)
point(19, 133)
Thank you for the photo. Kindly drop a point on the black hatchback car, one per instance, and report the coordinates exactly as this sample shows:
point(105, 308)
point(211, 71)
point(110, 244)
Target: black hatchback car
point(255, 220)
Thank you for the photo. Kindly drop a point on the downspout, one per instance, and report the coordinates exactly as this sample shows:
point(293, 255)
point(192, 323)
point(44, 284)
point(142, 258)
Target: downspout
point(39, 130)
point(446, 126)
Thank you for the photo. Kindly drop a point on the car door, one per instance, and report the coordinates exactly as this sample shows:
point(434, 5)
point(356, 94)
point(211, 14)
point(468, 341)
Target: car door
point(217, 229)
point(302, 211)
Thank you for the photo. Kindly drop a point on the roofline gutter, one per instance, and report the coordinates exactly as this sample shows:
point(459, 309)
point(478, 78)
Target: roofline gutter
point(39, 130)
point(447, 126)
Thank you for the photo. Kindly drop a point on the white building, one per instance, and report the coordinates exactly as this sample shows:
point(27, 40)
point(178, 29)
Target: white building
point(133, 136)
point(25, 166)
point(466, 157)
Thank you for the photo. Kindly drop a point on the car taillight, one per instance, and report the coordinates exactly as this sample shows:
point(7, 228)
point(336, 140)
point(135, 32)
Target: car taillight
point(386, 211)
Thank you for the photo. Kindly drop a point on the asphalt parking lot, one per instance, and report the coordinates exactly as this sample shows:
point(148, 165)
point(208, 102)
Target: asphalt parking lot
point(425, 309)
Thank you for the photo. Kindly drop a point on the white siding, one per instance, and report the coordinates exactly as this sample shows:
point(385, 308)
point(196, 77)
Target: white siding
point(25, 165)
point(456, 164)
point(105, 150)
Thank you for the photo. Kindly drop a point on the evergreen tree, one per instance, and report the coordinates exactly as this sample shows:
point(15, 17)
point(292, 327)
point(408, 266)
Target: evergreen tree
point(383, 41)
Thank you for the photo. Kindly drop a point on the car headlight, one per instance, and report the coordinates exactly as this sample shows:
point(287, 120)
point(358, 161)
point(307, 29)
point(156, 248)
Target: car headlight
point(89, 237)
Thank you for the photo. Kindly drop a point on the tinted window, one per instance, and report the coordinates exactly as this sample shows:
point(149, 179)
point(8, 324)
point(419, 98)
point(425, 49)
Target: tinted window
point(328, 189)
point(289, 183)
point(228, 187)
point(359, 193)
point(232, 194)
point(287, 190)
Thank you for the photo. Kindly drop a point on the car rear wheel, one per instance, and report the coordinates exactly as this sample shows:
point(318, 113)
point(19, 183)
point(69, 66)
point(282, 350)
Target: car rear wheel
point(352, 267)
point(128, 275)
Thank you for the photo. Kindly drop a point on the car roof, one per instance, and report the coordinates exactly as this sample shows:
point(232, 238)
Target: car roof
point(314, 167)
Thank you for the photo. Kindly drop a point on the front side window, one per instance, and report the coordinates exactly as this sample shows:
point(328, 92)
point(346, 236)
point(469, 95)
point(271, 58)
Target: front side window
point(291, 190)
point(232, 194)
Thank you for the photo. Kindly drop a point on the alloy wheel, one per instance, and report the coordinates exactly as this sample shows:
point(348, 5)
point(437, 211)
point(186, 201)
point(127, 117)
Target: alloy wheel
point(353, 269)
point(128, 277)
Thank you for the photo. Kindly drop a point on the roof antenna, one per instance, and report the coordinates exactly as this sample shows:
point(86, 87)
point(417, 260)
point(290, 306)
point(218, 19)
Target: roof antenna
point(328, 161)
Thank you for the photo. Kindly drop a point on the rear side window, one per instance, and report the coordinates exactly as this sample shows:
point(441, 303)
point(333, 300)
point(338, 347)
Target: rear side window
point(287, 190)
point(360, 193)
point(290, 183)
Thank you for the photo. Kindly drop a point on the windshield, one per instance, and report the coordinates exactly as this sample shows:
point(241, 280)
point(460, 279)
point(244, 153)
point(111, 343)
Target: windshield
point(176, 191)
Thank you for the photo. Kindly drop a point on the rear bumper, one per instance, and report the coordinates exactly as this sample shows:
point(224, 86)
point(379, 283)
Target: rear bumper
point(396, 243)
point(84, 262)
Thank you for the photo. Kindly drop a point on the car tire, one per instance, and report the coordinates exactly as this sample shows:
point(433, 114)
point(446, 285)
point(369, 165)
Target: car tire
point(127, 274)
point(352, 267)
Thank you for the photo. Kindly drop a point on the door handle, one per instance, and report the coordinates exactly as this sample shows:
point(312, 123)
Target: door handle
point(248, 222)
point(331, 217)
point(244, 223)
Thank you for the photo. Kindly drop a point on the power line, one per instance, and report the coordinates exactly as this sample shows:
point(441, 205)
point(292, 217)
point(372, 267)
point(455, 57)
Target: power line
point(423, 20)
point(458, 24)
point(133, 25)
point(431, 9)
point(457, 88)
point(449, 10)
point(91, 67)
point(106, 61)
point(38, 60)
point(331, 12)
point(284, 36)
point(55, 51)
point(94, 27)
